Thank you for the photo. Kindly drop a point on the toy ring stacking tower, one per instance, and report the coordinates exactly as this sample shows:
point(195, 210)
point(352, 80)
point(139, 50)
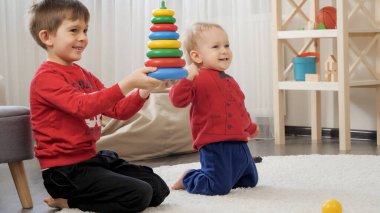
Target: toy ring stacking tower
point(164, 47)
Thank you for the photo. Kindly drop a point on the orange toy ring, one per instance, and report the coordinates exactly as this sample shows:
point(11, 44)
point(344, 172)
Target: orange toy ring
point(307, 54)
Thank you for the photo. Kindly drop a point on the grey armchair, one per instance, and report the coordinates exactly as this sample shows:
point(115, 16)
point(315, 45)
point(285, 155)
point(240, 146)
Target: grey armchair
point(16, 145)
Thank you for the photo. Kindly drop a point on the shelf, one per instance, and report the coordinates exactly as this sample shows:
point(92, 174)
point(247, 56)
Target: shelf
point(303, 85)
point(289, 34)
point(293, 34)
point(365, 83)
point(361, 31)
point(351, 45)
point(323, 86)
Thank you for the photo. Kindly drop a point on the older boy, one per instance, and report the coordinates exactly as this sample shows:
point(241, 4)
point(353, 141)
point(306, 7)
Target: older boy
point(67, 103)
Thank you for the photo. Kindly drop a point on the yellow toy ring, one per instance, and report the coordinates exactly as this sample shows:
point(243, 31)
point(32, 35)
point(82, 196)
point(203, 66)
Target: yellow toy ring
point(164, 44)
point(163, 12)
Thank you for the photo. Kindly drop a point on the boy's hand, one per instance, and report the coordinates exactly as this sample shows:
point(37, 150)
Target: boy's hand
point(193, 71)
point(144, 93)
point(162, 87)
point(166, 84)
point(255, 134)
point(139, 79)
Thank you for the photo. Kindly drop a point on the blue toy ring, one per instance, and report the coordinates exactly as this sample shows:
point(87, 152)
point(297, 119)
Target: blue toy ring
point(163, 35)
point(168, 73)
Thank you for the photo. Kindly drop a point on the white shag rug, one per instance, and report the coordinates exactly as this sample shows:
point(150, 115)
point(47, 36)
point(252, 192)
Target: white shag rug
point(287, 184)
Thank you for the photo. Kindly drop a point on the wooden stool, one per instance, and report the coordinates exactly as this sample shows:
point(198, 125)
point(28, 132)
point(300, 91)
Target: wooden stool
point(16, 145)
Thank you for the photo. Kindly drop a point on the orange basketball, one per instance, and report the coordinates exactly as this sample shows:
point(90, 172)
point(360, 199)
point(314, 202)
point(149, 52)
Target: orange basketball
point(327, 16)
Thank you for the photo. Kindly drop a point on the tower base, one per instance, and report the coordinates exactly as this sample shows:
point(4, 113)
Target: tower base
point(169, 73)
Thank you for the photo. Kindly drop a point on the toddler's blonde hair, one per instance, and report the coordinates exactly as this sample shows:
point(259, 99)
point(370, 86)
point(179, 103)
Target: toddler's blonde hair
point(193, 34)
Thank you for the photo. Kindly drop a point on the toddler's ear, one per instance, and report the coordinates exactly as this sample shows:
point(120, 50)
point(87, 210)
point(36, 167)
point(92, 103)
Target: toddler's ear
point(195, 57)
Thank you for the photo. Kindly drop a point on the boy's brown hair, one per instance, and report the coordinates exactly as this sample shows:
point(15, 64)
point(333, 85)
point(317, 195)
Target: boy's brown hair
point(49, 15)
point(193, 34)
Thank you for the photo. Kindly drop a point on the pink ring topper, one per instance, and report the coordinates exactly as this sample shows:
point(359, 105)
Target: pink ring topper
point(308, 54)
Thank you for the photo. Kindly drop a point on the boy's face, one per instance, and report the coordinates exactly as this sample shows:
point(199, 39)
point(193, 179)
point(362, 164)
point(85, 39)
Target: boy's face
point(68, 43)
point(214, 50)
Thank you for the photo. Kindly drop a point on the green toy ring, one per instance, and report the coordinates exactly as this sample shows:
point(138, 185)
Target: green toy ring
point(164, 53)
point(163, 19)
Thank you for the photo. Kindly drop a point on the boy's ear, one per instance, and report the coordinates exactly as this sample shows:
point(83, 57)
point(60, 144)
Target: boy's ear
point(195, 57)
point(45, 38)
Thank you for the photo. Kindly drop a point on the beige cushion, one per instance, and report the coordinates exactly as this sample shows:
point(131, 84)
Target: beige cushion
point(158, 129)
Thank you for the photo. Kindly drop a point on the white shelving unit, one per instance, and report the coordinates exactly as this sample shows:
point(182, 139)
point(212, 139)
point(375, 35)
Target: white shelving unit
point(342, 35)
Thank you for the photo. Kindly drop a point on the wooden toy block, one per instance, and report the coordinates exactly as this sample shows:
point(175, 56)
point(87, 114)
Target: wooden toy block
point(334, 76)
point(327, 76)
point(331, 69)
point(332, 66)
point(312, 77)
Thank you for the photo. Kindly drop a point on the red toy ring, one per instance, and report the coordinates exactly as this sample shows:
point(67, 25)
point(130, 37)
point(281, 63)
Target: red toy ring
point(163, 27)
point(165, 62)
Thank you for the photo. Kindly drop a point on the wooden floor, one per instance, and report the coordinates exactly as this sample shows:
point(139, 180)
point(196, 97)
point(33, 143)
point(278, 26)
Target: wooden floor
point(9, 202)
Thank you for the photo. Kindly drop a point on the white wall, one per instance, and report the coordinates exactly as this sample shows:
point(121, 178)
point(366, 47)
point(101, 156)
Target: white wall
point(298, 113)
point(3, 100)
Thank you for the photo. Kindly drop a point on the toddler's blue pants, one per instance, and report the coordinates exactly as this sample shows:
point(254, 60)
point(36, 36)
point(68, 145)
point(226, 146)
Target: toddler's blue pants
point(224, 166)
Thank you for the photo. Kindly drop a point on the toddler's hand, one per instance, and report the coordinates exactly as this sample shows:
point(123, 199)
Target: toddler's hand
point(255, 134)
point(193, 71)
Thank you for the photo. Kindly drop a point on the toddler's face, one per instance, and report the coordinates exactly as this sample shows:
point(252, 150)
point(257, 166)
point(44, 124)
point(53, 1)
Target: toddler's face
point(214, 49)
point(68, 43)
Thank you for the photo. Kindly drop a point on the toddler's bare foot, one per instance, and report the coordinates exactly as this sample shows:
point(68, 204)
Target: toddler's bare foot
point(178, 185)
point(56, 203)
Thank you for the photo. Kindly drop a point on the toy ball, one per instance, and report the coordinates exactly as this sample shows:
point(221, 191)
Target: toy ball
point(332, 206)
point(326, 17)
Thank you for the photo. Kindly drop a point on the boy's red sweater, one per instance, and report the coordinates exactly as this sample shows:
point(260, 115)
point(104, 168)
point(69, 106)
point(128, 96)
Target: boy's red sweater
point(67, 104)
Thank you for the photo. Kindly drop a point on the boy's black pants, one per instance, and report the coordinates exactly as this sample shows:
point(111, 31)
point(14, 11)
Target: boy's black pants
point(106, 183)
